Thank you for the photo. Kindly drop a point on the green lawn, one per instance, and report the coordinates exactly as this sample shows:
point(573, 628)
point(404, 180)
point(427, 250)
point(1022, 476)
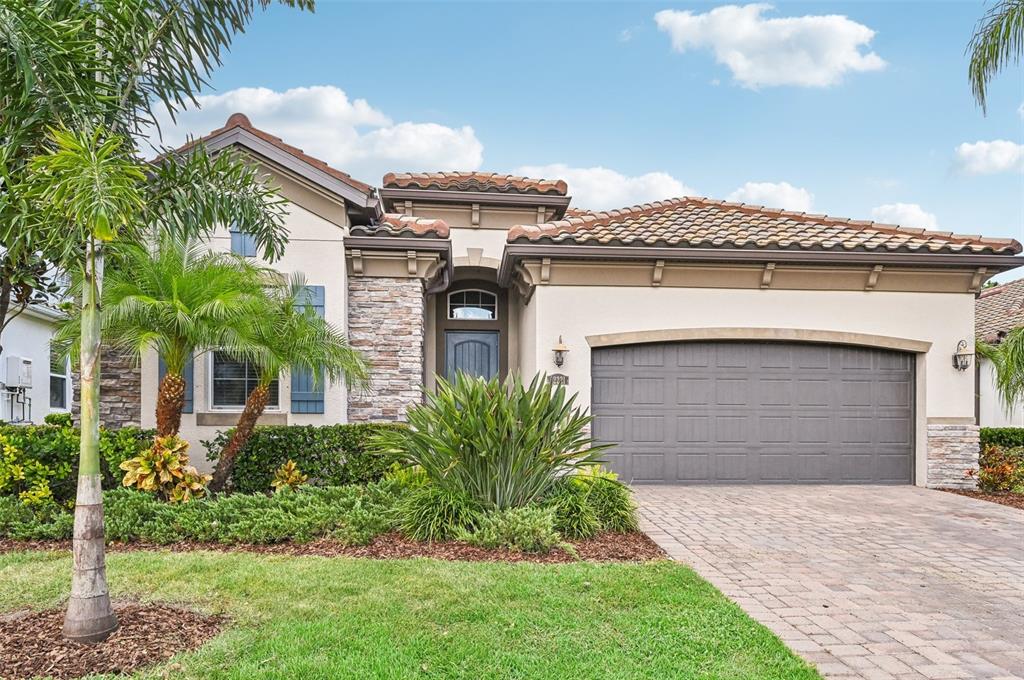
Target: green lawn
point(314, 617)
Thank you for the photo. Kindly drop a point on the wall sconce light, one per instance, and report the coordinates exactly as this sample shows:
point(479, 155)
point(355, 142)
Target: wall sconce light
point(962, 358)
point(560, 351)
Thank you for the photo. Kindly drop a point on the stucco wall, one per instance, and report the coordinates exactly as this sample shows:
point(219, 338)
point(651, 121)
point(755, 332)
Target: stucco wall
point(28, 336)
point(940, 319)
point(315, 248)
point(991, 411)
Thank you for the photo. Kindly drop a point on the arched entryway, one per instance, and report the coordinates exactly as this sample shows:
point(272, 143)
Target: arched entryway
point(471, 325)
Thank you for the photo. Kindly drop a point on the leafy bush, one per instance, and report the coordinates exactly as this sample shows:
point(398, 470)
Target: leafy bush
point(407, 478)
point(1002, 436)
point(529, 529)
point(41, 522)
point(1000, 469)
point(433, 513)
point(613, 504)
point(332, 455)
point(52, 451)
point(574, 516)
point(163, 469)
point(503, 445)
point(288, 476)
point(59, 419)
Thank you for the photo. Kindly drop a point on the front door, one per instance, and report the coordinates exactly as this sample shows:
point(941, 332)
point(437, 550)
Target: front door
point(472, 352)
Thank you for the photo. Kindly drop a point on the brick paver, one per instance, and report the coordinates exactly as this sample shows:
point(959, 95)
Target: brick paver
point(863, 581)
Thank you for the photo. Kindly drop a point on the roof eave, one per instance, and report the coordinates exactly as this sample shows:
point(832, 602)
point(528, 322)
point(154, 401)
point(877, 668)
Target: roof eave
point(514, 252)
point(390, 194)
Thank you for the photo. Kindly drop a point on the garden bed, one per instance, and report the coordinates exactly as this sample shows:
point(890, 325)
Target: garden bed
point(31, 644)
point(1013, 500)
point(605, 547)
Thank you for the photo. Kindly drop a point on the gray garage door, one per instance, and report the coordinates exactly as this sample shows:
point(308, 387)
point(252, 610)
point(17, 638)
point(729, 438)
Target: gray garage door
point(755, 413)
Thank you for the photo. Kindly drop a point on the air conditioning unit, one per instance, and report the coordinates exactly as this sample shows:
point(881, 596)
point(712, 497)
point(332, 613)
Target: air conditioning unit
point(19, 372)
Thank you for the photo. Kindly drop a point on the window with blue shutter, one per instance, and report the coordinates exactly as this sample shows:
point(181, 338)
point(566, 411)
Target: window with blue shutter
point(307, 393)
point(242, 243)
point(186, 374)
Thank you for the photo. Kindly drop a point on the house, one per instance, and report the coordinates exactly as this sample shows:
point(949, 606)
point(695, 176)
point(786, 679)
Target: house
point(714, 342)
point(997, 311)
point(35, 381)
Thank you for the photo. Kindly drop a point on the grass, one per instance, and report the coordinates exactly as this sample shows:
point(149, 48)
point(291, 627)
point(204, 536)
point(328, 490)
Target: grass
point(315, 617)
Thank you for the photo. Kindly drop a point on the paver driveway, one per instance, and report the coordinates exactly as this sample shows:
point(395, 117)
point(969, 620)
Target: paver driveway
point(866, 582)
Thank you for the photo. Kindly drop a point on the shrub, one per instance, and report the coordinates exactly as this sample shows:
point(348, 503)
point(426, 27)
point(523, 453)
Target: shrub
point(574, 516)
point(503, 445)
point(406, 478)
point(529, 529)
point(288, 476)
point(433, 513)
point(22, 522)
point(1006, 437)
point(55, 449)
point(59, 419)
point(613, 504)
point(163, 469)
point(1000, 469)
point(332, 455)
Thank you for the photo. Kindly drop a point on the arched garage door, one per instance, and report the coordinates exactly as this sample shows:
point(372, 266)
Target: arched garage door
point(755, 413)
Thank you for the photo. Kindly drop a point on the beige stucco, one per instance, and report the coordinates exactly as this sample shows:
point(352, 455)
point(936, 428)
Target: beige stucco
point(314, 248)
point(930, 324)
point(991, 410)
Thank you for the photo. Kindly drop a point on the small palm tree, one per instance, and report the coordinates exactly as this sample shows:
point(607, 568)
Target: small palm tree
point(288, 335)
point(179, 299)
point(998, 41)
point(1007, 359)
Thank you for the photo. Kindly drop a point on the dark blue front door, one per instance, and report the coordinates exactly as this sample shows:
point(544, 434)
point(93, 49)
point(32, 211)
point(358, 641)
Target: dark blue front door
point(472, 352)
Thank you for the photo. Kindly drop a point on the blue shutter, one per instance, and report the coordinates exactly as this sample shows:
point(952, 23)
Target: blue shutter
point(307, 393)
point(187, 375)
point(242, 243)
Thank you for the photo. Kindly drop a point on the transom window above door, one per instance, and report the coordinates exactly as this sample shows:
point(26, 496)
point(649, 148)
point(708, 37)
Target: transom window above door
point(473, 305)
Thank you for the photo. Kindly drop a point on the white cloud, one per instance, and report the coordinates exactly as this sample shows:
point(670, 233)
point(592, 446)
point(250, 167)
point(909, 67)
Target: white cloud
point(350, 135)
point(906, 214)
point(809, 51)
point(986, 158)
point(774, 195)
point(601, 188)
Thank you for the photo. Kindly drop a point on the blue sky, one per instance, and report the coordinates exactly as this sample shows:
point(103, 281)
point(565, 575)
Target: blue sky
point(873, 118)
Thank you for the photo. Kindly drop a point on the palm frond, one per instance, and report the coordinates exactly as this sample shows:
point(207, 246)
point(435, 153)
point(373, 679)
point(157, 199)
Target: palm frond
point(997, 42)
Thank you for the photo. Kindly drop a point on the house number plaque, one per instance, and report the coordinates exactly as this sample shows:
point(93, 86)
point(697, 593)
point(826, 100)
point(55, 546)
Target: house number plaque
point(558, 379)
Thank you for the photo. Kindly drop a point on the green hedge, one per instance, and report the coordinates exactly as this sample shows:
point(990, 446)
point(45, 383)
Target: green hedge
point(56, 448)
point(331, 455)
point(1002, 436)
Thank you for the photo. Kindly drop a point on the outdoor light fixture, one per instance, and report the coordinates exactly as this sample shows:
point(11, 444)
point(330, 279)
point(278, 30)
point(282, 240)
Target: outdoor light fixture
point(962, 358)
point(560, 351)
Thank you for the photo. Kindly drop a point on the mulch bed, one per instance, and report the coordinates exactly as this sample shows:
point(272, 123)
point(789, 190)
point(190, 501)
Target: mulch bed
point(606, 547)
point(31, 644)
point(1013, 500)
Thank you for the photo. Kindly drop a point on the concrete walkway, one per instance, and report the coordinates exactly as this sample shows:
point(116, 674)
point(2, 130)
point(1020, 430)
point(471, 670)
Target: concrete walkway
point(864, 582)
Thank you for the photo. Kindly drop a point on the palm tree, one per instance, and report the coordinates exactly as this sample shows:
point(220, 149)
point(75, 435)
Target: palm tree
point(1007, 359)
point(179, 299)
point(998, 40)
point(288, 335)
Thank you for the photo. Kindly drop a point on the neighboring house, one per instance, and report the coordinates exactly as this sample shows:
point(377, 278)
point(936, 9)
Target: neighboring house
point(997, 311)
point(714, 342)
point(34, 380)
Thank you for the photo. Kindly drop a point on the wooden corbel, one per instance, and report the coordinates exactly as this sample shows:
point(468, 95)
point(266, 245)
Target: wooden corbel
point(410, 258)
point(357, 262)
point(657, 272)
point(475, 215)
point(979, 274)
point(766, 276)
point(545, 270)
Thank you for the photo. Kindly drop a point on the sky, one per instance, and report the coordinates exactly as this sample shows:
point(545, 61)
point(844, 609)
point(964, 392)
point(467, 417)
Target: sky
point(854, 109)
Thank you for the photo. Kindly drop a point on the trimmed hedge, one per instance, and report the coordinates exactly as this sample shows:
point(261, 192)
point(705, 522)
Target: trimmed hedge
point(55, 447)
point(1006, 437)
point(331, 455)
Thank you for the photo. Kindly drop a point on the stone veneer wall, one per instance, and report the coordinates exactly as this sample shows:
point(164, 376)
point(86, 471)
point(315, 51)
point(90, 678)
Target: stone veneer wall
point(386, 324)
point(120, 391)
point(952, 450)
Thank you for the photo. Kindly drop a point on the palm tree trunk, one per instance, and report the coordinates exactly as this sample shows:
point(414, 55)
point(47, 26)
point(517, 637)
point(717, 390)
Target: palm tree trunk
point(90, 617)
point(170, 402)
point(254, 407)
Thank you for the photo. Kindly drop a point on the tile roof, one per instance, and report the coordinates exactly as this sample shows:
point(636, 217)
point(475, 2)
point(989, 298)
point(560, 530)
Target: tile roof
point(393, 224)
point(240, 120)
point(474, 181)
point(701, 222)
point(999, 310)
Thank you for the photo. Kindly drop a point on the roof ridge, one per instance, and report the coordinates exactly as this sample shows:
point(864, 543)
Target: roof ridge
point(402, 180)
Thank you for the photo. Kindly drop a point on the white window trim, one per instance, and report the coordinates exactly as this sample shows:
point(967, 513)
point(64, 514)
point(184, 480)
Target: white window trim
point(67, 388)
point(448, 303)
point(235, 409)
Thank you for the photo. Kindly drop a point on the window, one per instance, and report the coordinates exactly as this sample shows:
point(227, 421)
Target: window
point(307, 388)
point(242, 243)
point(473, 304)
point(234, 380)
point(59, 381)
